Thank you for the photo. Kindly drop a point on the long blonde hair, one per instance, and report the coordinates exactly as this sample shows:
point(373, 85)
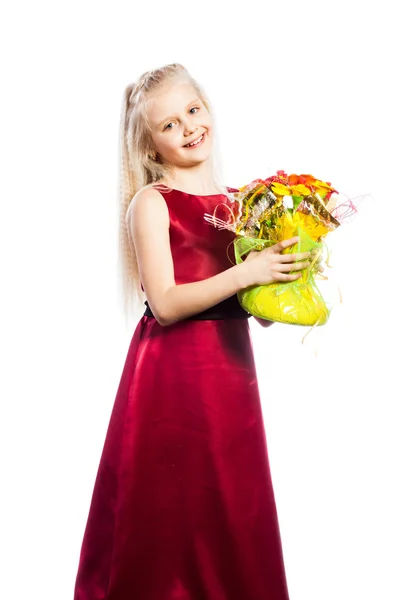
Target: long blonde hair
point(139, 167)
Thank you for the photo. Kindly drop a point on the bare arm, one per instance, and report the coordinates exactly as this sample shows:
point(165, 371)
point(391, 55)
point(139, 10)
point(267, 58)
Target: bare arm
point(149, 224)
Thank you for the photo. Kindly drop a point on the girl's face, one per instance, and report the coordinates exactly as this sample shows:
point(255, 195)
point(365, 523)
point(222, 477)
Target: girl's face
point(178, 117)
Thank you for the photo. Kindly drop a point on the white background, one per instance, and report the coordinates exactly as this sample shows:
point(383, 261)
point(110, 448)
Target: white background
point(300, 86)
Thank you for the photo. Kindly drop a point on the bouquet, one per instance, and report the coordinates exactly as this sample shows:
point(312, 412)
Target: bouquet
point(280, 207)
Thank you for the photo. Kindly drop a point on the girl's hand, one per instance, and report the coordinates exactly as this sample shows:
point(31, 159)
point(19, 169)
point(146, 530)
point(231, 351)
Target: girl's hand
point(317, 259)
point(269, 265)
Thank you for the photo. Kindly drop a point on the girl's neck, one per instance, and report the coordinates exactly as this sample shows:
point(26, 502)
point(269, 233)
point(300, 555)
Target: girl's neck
point(197, 181)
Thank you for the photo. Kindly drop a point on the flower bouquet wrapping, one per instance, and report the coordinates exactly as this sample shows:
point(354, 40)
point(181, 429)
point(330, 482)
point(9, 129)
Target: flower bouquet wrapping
point(267, 211)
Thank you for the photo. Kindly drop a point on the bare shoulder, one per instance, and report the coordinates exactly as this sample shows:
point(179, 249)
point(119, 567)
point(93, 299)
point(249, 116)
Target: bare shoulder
point(147, 209)
point(148, 197)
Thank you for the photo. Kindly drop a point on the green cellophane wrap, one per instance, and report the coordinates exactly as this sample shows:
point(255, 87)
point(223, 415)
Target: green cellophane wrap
point(295, 302)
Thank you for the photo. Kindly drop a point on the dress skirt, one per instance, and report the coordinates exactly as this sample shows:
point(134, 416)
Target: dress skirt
point(183, 505)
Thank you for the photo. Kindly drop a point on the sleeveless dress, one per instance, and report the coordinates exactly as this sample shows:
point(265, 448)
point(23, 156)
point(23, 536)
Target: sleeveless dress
point(183, 504)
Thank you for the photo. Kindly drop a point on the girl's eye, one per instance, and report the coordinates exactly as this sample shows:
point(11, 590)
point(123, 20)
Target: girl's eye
point(193, 108)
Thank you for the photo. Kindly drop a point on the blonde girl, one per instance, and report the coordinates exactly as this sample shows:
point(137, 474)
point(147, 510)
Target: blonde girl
point(183, 505)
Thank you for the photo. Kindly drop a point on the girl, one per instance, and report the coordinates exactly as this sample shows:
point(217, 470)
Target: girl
point(183, 505)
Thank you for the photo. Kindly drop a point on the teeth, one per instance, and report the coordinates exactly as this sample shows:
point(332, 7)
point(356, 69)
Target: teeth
point(197, 142)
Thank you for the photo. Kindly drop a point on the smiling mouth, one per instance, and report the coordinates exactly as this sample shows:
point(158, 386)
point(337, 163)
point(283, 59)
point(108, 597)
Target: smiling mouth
point(196, 142)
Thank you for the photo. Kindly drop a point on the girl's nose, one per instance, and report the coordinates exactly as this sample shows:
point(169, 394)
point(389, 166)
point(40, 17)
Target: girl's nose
point(190, 128)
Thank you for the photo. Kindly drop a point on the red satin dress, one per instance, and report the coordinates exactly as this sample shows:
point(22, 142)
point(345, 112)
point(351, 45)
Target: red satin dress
point(183, 505)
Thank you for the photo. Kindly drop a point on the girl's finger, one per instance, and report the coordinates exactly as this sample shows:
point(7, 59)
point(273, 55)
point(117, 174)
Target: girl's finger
point(287, 258)
point(284, 244)
point(288, 277)
point(286, 268)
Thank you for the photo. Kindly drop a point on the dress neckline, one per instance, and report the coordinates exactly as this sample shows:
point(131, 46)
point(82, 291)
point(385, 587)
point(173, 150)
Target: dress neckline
point(188, 193)
point(198, 195)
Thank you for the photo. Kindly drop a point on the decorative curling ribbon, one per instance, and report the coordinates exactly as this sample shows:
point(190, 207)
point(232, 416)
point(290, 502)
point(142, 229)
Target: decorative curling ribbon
point(310, 330)
point(220, 223)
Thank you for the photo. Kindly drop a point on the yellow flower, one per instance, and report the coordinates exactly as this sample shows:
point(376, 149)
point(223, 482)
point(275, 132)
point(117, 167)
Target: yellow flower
point(280, 190)
point(314, 227)
point(300, 190)
point(322, 184)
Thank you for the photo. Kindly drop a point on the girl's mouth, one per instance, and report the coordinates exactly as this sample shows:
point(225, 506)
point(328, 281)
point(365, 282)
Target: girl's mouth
point(197, 142)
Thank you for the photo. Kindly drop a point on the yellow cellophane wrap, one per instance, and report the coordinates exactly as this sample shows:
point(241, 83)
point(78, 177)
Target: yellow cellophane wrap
point(296, 302)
